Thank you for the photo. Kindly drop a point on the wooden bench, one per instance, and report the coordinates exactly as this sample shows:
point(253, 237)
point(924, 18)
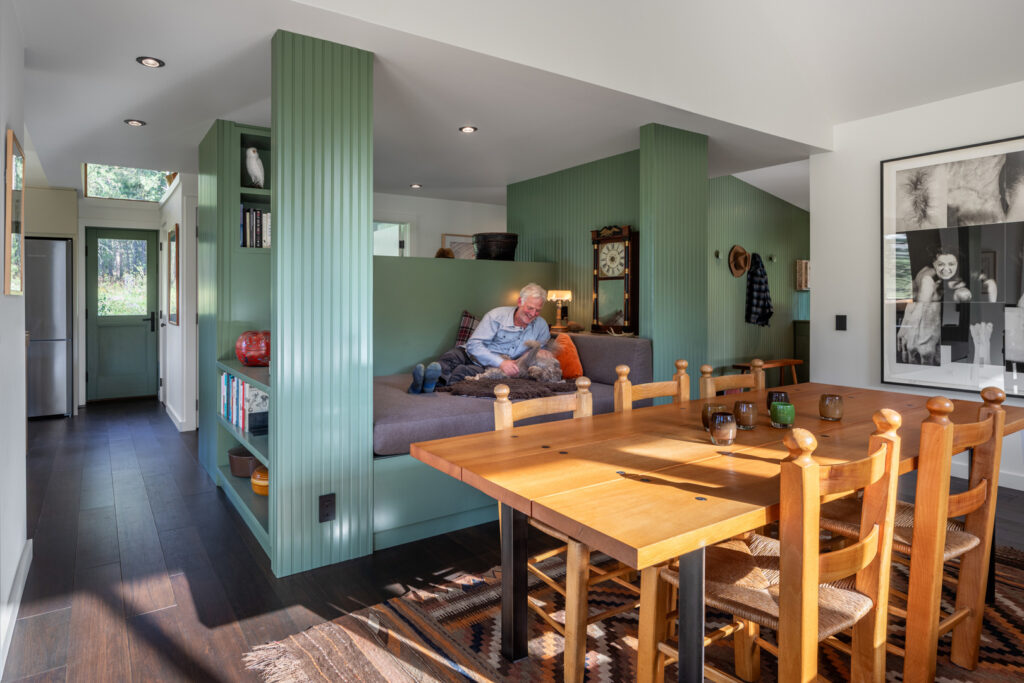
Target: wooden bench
point(781, 363)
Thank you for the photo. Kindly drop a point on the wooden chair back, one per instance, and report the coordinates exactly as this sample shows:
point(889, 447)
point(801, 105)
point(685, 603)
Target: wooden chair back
point(804, 485)
point(507, 413)
point(626, 393)
point(933, 507)
point(710, 386)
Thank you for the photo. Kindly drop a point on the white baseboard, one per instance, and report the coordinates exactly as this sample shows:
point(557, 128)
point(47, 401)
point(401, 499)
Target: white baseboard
point(1010, 480)
point(9, 608)
point(182, 424)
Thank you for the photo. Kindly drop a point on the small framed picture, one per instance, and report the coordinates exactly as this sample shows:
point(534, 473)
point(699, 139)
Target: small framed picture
point(953, 268)
point(461, 245)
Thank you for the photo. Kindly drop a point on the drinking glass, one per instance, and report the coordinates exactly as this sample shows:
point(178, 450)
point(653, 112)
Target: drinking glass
point(745, 413)
point(723, 428)
point(777, 396)
point(830, 407)
point(705, 413)
point(783, 414)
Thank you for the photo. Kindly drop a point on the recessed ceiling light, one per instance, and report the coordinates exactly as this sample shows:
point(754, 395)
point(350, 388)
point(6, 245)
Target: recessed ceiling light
point(135, 123)
point(151, 62)
point(415, 186)
point(468, 129)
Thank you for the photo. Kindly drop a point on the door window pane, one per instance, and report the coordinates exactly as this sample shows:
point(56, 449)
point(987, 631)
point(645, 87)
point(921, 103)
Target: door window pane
point(121, 277)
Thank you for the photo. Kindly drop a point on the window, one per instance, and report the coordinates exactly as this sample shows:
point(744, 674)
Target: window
point(121, 277)
point(391, 239)
point(120, 182)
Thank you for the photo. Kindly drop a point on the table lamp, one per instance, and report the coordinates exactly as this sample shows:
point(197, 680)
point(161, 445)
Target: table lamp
point(560, 297)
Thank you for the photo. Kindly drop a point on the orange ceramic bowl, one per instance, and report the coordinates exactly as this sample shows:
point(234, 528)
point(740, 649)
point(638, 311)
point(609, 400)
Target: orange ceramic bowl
point(260, 481)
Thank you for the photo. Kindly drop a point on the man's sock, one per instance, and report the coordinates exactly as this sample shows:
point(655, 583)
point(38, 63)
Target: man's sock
point(430, 378)
point(417, 380)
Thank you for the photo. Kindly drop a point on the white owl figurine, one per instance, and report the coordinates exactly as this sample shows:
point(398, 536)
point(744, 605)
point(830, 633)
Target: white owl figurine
point(254, 166)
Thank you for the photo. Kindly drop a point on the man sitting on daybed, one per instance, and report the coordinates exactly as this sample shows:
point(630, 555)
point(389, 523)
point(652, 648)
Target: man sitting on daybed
point(498, 340)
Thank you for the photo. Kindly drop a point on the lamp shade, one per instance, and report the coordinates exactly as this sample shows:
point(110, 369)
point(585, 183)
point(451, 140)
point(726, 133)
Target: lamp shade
point(559, 295)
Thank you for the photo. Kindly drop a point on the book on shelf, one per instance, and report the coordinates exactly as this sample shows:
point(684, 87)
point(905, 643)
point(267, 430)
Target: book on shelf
point(254, 228)
point(243, 405)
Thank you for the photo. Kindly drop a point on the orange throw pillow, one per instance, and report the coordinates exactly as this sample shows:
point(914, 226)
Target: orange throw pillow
point(568, 357)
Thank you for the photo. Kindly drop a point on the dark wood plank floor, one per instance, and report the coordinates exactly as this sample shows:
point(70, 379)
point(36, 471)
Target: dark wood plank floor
point(142, 570)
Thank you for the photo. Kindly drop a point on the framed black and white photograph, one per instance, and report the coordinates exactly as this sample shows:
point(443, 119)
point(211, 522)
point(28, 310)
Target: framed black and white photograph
point(953, 268)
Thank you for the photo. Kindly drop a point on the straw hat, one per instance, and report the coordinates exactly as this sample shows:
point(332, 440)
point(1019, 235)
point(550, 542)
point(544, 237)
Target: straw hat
point(739, 260)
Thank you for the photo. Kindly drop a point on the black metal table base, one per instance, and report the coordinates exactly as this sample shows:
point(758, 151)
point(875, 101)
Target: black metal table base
point(691, 617)
point(513, 583)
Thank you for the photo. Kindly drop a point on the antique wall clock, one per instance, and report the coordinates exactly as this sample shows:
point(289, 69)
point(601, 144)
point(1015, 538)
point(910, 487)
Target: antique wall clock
point(615, 279)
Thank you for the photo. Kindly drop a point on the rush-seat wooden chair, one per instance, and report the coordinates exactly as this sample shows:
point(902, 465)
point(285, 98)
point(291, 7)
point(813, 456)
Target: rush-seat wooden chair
point(785, 584)
point(927, 532)
point(580, 575)
point(626, 393)
point(710, 386)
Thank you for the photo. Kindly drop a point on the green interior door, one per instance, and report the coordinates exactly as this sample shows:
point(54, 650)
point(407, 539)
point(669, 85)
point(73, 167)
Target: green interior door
point(121, 290)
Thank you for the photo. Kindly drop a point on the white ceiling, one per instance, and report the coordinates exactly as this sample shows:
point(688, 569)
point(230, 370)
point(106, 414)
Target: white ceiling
point(549, 84)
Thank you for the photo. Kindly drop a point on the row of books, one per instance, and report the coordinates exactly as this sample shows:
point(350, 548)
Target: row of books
point(243, 405)
point(254, 228)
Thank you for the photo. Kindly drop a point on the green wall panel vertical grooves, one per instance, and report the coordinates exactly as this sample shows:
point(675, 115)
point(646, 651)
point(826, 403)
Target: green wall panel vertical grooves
point(674, 246)
point(322, 99)
point(762, 223)
point(554, 215)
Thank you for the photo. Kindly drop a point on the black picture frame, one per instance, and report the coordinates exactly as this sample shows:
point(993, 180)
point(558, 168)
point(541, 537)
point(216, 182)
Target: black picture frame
point(952, 268)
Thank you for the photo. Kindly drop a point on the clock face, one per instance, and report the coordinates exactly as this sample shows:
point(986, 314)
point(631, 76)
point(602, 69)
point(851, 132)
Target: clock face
point(612, 259)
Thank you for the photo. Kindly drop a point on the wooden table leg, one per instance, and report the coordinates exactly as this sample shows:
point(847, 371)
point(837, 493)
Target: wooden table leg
point(513, 583)
point(691, 617)
point(795, 380)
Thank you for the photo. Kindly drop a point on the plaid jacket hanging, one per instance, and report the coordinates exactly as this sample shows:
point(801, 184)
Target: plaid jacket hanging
point(759, 299)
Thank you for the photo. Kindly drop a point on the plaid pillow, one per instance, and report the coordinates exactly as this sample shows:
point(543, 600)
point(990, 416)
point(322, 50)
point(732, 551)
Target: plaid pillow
point(467, 324)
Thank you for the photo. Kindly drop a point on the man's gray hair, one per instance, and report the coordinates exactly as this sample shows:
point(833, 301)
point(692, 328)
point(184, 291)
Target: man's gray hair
point(533, 291)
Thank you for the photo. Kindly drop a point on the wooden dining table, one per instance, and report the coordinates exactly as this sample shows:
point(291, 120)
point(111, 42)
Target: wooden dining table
point(646, 486)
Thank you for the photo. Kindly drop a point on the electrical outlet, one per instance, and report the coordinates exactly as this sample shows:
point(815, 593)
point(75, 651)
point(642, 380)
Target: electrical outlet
point(327, 508)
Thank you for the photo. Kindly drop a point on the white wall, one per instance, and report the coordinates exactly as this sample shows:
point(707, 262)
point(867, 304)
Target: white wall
point(104, 213)
point(846, 232)
point(430, 218)
point(178, 366)
point(15, 548)
point(53, 212)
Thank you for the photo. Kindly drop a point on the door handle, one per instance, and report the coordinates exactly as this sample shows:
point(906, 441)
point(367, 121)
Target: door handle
point(152, 321)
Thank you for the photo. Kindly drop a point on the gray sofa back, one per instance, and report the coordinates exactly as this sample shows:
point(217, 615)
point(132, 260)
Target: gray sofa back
point(400, 418)
point(600, 353)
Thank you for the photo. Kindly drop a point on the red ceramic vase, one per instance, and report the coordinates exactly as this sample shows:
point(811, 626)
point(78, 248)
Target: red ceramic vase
point(253, 348)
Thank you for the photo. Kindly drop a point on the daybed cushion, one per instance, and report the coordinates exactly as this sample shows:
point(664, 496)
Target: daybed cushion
point(400, 418)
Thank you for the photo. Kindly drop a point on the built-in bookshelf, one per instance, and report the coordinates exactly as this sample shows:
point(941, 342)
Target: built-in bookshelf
point(235, 296)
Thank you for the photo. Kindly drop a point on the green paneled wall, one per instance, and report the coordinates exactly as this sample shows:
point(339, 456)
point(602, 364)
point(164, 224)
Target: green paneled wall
point(554, 215)
point(322, 277)
point(418, 302)
point(763, 223)
point(673, 246)
point(690, 306)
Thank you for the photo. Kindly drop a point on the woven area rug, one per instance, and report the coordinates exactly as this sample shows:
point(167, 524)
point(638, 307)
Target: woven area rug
point(452, 633)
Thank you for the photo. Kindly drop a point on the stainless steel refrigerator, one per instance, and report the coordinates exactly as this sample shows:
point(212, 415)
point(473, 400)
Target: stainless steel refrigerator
point(48, 321)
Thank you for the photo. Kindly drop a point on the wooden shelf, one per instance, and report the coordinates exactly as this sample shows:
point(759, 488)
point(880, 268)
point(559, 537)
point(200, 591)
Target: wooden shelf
point(258, 377)
point(258, 445)
point(254, 195)
point(252, 508)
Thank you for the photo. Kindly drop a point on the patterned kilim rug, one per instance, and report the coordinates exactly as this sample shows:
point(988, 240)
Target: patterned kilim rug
point(453, 634)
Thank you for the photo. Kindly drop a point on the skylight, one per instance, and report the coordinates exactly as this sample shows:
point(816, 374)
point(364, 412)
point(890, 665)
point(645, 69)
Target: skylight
point(121, 182)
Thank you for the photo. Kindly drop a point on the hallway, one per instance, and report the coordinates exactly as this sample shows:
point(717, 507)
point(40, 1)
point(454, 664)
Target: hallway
point(143, 571)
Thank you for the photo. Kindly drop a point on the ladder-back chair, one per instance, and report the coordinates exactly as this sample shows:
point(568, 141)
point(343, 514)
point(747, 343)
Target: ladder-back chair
point(786, 584)
point(710, 386)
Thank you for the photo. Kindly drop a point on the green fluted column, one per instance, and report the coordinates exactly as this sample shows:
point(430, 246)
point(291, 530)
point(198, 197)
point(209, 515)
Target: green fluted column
point(674, 196)
point(322, 283)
